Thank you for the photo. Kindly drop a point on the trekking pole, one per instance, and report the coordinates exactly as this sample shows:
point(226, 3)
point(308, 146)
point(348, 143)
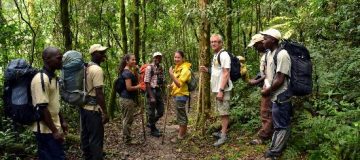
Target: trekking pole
point(166, 113)
point(142, 117)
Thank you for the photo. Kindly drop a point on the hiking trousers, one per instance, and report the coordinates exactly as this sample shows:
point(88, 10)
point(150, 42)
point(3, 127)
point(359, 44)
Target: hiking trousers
point(156, 111)
point(266, 129)
point(92, 134)
point(281, 114)
point(128, 109)
point(49, 147)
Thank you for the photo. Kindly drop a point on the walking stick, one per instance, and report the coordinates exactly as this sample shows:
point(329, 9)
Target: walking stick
point(142, 117)
point(166, 114)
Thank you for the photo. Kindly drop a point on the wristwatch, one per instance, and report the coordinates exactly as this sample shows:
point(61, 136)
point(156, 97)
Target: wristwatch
point(222, 90)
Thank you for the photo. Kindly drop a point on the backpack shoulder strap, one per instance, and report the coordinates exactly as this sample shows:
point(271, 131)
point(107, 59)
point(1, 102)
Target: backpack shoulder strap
point(42, 80)
point(218, 57)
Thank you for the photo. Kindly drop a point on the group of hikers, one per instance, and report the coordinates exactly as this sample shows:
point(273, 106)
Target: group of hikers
point(275, 110)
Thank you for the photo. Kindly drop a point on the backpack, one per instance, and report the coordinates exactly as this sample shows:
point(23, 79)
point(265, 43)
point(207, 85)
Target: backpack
point(17, 94)
point(73, 79)
point(235, 66)
point(301, 68)
point(142, 76)
point(120, 84)
point(193, 82)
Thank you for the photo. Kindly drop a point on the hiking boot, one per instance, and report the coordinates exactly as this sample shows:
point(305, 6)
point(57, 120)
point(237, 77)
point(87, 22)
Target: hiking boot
point(270, 155)
point(155, 132)
point(216, 134)
point(256, 142)
point(148, 125)
point(221, 140)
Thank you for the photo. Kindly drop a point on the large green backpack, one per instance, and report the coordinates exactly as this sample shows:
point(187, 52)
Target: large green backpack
point(73, 79)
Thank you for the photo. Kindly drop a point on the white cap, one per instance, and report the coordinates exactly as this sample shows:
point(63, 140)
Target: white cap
point(255, 38)
point(157, 54)
point(97, 47)
point(273, 33)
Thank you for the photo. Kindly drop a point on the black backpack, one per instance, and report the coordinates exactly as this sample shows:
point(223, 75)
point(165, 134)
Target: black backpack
point(120, 84)
point(235, 66)
point(17, 94)
point(301, 68)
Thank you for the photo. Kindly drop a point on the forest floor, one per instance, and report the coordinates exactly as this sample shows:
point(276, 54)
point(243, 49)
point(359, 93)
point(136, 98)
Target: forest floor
point(192, 147)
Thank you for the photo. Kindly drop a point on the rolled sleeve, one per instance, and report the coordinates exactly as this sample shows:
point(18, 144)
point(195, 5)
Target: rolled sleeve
point(283, 63)
point(262, 65)
point(147, 77)
point(39, 96)
point(98, 80)
point(225, 60)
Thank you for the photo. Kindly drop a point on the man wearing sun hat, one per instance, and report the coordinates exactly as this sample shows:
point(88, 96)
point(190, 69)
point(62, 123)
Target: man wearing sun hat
point(266, 129)
point(154, 79)
point(277, 73)
point(93, 115)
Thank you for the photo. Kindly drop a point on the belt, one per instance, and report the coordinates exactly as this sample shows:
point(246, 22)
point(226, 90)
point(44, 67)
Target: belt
point(283, 102)
point(95, 108)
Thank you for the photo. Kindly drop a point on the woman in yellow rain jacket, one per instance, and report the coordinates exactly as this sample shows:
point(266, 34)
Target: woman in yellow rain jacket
point(180, 75)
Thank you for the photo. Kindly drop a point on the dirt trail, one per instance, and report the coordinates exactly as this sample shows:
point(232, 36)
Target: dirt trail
point(151, 148)
point(191, 148)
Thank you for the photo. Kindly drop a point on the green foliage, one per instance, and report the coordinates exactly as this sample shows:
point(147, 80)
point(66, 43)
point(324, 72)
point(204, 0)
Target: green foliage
point(14, 145)
point(325, 127)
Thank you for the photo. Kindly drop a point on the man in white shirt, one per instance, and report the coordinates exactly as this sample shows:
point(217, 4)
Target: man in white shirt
point(221, 85)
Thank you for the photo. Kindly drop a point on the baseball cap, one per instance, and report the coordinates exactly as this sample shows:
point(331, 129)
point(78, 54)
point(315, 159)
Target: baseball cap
point(97, 47)
point(255, 38)
point(273, 33)
point(157, 54)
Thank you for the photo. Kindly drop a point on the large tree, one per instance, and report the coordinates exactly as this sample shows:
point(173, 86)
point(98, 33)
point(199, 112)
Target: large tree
point(143, 35)
point(228, 27)
point(136, 27)
point(123, 26)
point(65, 21)
point(204, 104)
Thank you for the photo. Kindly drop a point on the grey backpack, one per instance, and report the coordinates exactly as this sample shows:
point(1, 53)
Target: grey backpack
point(73, 79)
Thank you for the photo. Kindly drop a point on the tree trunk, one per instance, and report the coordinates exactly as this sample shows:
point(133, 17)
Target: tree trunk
point(204, 105)
point(228, 28)
point(2, 18)
point(4, 57)
point(143, 36)
point(65, 21)
point(258, 17)
point(136, 28)
point(123, 26)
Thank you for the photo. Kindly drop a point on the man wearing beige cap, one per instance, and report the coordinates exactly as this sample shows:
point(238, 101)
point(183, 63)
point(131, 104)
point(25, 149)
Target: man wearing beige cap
point(154, 79)
point(266, 129)
point(93, 115)
point(277, 71)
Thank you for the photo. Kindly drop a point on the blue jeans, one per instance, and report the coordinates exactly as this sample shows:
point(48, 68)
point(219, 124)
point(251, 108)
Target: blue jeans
point(49, 148)
point(281, 114)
